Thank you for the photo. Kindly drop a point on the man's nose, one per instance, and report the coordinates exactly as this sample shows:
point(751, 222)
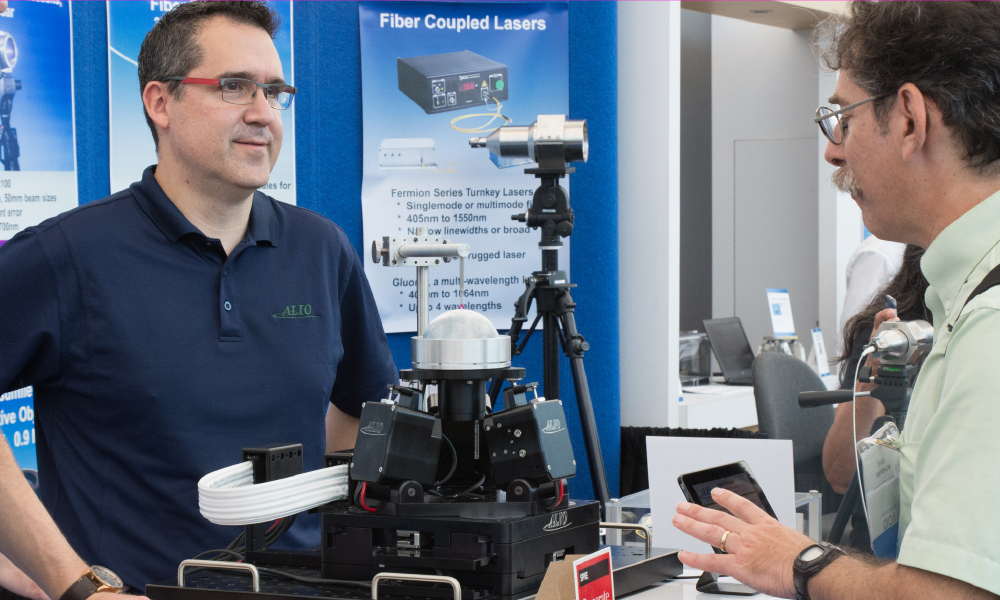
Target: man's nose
point(259, 111)
point(835, 154)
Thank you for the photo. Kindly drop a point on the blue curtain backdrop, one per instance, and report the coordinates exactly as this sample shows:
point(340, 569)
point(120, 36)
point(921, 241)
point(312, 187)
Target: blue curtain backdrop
point(328, 153)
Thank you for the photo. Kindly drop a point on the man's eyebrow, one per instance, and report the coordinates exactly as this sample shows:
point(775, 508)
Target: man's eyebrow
point(835, 99)
point(250, 76)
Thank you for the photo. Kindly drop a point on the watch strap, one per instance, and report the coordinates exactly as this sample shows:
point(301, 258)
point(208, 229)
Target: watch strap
point(803, 571)
point(81, 589)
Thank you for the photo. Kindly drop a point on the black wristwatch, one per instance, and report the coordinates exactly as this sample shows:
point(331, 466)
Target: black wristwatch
point(811, 561)
point(97, 579)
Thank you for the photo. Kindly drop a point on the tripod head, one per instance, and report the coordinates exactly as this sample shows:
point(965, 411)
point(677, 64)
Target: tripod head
point(553, 142)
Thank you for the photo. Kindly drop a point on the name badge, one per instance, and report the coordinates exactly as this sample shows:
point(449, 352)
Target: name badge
point(880, 459)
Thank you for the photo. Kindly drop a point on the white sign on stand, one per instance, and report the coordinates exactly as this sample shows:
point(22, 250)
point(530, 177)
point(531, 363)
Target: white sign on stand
point(780, 308)
point(819, 351)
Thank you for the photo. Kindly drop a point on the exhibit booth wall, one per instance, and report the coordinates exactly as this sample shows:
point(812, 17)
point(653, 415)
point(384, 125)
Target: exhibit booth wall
point(328, 173)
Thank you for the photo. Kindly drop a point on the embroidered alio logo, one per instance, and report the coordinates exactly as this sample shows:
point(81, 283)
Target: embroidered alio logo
point(296, 311)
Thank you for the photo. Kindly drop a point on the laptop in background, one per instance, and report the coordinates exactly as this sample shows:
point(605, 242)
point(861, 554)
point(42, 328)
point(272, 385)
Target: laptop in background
point(732, 349)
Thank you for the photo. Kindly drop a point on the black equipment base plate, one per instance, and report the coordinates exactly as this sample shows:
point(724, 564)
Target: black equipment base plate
point(491, 555)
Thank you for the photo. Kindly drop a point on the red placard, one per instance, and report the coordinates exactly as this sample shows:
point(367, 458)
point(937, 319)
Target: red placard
point(592, 576)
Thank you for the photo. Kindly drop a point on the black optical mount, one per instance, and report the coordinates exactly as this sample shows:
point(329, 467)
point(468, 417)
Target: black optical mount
point(549, 288)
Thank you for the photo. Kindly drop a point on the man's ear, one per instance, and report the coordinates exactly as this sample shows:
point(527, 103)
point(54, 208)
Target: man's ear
point(155, 98)
point(913, 109)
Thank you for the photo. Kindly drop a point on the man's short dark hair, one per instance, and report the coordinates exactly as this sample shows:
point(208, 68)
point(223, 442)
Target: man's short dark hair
point(949, 50)
point(170, 50)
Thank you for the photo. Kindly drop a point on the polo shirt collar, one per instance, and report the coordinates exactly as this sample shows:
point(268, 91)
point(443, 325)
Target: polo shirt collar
point(263, 221)
point(960, 248)
point(174, 225)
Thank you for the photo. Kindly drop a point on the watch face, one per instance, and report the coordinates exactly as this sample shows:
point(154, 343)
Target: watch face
point(106, 577)
point(811, 553)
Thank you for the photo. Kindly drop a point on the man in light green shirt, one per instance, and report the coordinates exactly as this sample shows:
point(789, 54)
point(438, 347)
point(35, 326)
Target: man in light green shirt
point(917, 143)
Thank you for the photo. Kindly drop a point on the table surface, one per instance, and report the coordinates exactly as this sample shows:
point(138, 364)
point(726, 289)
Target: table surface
point(683, 589)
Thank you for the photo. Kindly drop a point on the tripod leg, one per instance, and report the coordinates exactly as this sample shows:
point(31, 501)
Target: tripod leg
point(574, 348)
point(550, 356)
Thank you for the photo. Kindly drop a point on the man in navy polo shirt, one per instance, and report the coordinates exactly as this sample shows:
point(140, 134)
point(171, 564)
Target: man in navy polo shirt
point(172, 324)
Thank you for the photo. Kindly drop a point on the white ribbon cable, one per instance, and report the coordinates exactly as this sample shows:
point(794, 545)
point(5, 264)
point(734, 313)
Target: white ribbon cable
point(230, 497)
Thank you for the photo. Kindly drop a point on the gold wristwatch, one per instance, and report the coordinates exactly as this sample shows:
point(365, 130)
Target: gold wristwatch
point(97, 579)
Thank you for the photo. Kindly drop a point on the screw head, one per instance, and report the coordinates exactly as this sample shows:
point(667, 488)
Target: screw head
point(487, 427)
point(549, 466)
point(505, 451)
point(352, 465)
point(411, 492)
point(517, 433)
point(522, 453)
point(518, 491)
point(574, 462)
point(380, 469)
point(493, 454)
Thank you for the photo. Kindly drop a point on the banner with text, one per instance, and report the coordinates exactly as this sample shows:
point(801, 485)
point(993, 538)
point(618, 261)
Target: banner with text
point(433, 76)
point(132, 148)
point(37, 152)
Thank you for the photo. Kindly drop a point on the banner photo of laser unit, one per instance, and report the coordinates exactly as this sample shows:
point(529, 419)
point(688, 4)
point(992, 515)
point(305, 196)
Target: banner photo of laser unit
point(37, 155)
point(132, 148)
point(434, 75)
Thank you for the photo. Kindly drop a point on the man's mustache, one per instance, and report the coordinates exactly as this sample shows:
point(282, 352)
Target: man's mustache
point(844, 179)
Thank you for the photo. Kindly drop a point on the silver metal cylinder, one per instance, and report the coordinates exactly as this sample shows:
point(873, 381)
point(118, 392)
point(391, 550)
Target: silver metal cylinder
point(435, 250)
point(453, 355)
point(521, 141)
point(423, 296)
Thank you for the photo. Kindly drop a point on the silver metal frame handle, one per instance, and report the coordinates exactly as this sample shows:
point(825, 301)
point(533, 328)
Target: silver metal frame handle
point(455, 586)
point(634, 527)
point(219, 564)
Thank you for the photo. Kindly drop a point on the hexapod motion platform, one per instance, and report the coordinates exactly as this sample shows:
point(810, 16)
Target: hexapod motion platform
point(443, 490)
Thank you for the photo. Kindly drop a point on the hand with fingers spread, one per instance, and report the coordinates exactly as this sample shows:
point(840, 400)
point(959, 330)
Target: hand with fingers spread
point(760, 551)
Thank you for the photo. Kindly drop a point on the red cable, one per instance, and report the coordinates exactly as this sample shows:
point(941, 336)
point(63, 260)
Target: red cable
point(273, 525)
point(559, 501)
point(364, 488)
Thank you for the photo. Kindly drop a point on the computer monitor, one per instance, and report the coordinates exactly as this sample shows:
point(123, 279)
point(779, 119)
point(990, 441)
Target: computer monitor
point(731, 348)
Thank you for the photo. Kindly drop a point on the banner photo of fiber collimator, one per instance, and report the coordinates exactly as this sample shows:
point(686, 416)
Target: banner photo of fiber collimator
point(37, 155)
point(433, 76)
point(132, 148)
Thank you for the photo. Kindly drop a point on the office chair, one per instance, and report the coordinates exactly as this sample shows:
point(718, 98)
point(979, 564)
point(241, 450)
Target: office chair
point(777, 380)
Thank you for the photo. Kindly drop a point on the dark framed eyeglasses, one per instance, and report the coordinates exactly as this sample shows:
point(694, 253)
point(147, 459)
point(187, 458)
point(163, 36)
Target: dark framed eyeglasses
point(829, 119)
point(243, 91)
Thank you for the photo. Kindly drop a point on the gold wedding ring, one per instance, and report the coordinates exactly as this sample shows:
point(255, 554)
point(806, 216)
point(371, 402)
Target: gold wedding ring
point(722, 544)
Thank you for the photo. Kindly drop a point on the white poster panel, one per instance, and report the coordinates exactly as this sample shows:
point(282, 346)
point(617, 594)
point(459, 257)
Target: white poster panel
point(132, 148)
point(669, 457)
point(37, 153)
point(434, 75)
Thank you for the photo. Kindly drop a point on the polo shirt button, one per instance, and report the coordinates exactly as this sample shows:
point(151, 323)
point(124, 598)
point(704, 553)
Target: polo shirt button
point(228, 305)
